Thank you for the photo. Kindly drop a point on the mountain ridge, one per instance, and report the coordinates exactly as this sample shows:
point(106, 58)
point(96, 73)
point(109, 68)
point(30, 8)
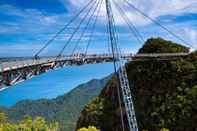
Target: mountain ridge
point(63, 109)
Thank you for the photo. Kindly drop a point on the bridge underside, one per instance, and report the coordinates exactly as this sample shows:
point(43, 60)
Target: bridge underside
point(11, 76)
point(15, 73)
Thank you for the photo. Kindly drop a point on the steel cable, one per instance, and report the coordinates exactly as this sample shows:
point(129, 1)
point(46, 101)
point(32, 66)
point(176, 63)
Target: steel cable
point(65, 27)
point(158, 23)
point(73, 34)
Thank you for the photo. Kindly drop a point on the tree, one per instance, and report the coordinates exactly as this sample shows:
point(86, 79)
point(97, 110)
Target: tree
point(40, 124)
point(27, 124)
point(164, 129)
point(3, 118)
point(159, 45)
point(90, 128)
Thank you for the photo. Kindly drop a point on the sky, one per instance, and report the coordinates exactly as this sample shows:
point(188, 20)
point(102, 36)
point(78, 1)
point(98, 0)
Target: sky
point(26, 25)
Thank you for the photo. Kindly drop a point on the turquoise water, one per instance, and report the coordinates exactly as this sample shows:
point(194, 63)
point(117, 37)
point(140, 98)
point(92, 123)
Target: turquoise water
point(54, 83)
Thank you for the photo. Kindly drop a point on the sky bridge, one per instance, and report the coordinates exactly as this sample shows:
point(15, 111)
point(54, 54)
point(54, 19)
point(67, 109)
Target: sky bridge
point(15, 71)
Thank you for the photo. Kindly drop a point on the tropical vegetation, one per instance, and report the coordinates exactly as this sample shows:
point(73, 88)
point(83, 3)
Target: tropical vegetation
point(90, 128)
point(164, 93)
point(27, 124)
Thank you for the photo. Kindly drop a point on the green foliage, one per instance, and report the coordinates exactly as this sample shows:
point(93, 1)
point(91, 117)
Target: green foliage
point(164, 92)
point(39, 124)
point(8, 127)
point(159, 45)
point(95, 107)
point(164, 129)
point(3, 117)
point(164, 89)
point(90, 128)
point(93, 111)
point(102, 111)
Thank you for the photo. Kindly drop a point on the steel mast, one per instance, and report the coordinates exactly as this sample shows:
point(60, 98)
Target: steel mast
point(120, 69)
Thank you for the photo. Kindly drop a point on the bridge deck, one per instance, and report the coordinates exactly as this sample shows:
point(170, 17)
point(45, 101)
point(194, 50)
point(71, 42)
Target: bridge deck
point(13, 72)
point(12, 65)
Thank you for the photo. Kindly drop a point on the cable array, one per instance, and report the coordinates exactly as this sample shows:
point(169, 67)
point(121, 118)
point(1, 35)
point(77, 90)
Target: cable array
point(75, 31)
point(85, 29)
point(129, 23)
point(92, 31)
point(89, 17)
point(157, 23)
point(64, 28)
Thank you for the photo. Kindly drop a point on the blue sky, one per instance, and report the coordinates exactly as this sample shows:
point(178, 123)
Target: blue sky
point(26, 24)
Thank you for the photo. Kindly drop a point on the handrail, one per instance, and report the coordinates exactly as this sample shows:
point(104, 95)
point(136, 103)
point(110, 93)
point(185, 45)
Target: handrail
point(5, 66)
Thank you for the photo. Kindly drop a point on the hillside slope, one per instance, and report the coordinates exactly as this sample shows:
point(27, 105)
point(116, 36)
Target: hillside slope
point(64, 109)
point(164, 93)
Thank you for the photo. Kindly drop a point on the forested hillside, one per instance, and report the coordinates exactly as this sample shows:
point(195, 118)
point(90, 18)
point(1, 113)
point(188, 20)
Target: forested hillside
point(64, 109)
point(164, 93)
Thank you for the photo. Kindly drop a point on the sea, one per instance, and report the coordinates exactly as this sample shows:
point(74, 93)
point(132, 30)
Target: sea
point(54, 83)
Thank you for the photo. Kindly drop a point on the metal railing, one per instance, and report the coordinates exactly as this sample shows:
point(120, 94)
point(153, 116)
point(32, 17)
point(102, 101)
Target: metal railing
point(5, 66)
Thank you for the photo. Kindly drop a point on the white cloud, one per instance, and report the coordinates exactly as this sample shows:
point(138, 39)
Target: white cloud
point(157, 8)
point(42, 26)
point(19, 49)
point(153, 8)
point(191, 35)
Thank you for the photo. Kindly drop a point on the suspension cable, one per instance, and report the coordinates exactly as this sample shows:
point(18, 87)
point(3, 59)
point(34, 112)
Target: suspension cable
point(157, 23)
point(79, 25)
point(65, 27)
point(93, 31)
point(130, 24)
point(108, 39)
point(88, 23)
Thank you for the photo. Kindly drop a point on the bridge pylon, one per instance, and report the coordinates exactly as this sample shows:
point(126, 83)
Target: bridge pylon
point(120, 70)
